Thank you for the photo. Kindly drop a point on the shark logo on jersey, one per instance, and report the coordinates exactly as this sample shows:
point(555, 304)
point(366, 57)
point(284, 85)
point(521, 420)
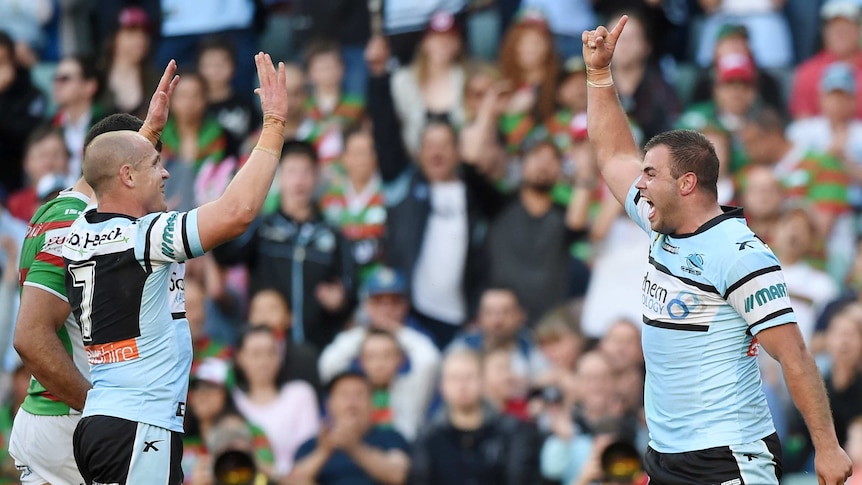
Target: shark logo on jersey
point(693, 264)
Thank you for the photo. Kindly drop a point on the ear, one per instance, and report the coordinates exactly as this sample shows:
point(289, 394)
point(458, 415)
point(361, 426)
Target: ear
point(687, 183)
point(127, 176)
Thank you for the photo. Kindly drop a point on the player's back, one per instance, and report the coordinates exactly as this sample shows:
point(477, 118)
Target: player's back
point(125, 281)
point(41, 266)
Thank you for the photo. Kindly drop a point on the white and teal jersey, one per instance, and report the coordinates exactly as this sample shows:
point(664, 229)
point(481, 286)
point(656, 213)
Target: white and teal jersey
point(705, 297)
point(124, 278)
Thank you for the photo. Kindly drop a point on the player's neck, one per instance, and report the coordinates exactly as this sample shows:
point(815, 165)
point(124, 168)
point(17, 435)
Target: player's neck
point(113, 204)
point(82, 187)
point(696, 216)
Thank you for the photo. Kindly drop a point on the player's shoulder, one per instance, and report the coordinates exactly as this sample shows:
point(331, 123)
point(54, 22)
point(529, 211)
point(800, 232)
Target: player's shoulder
point(67, 206)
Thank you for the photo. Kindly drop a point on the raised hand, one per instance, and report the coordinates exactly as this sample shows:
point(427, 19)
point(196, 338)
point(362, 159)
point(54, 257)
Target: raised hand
point(157, 113)
point(273, 95)
point(599, 44)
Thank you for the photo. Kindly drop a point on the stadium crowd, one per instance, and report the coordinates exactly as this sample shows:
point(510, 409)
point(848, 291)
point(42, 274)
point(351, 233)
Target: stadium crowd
point(441, 289)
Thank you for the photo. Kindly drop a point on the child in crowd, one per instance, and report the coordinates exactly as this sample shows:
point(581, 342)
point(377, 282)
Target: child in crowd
point(217, 66)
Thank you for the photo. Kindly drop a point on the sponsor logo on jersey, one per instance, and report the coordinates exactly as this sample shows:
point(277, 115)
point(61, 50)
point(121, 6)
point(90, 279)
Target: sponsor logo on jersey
point(168, 237)
point(764, 296)
point(112, 352)
point(693, 264)
point(683, 305)
point(92, 239)
point(654, 296)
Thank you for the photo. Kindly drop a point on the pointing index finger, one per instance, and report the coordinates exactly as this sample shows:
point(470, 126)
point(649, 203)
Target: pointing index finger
point(619, 27)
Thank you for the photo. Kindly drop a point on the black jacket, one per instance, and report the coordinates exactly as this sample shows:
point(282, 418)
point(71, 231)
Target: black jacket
point(503, 451)
point(22, 106)
point(278, 249)
point(408, 210)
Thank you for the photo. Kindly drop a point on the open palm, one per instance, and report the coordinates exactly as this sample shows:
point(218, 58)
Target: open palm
point(599, 44)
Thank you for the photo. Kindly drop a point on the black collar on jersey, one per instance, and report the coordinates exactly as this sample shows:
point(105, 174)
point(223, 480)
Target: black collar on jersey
point(95, 217)
point(728, 212)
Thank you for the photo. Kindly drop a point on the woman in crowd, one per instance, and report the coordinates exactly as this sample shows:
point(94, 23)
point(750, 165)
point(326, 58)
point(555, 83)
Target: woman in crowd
point(126, 63)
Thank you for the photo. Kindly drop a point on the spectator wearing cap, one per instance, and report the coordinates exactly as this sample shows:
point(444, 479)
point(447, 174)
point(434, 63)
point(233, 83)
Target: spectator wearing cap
point(349, 449)
point(22, 106)
point(734, 39)
point(734, 96)
point(287, 411)
point(809, 177)
point(835, 131)
point(468, 441)
point(209, 400)
point(567, 20)
point(437, 208)
point(841, 29)
point(650, 102)
point(530, 64)
point(77, 84)
point(770, 39)
point(385, 308)
point(127, 64)
point(431, 87)
point(45, 154)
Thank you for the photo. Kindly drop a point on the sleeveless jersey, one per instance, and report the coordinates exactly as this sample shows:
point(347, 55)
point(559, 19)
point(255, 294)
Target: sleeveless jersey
point(124, 278)
point(41, 266)
point(705, 297)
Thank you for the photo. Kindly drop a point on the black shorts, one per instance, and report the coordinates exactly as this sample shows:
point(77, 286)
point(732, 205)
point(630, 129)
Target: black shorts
point(113, 450)
point(757, 463)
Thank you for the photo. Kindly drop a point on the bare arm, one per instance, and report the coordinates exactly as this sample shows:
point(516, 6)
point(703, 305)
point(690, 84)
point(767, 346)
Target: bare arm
point(388, 467)
point(36, 341)
point(785, 344)
point(230, 215)
point(305, 470)
point(617, 154)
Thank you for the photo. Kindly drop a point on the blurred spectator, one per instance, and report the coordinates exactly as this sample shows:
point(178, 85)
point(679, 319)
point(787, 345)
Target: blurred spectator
point(21, 108)
point(350, 23)
point(349, 449)
point(613, 463)
point(385, 306)
point(501, 388)
point(286, 411)
point(434, 221)
point(380, 358)
point(651, 103)
point(530, 64)
point(469, 442)
point(562, 344)
point(568, 126)
point(14, 229)
point(853, 445)
point(296, 252)
point(355, 203)
point(25, 20)
point(841, 27)
point(597, 417)
point(404, 22)
point(77, 84)
point(734, 96)
point(733, 39)
point(233, 446)
point(9, 299)
point(431, 87)
point(501, 325)
point(762, 197)
point(835, 131)
point(233, 110)
point(221, 299)
point(269, 308)
point(45, 154)
point(843, 380)
point(127, 63)
point(770, 33)
point(186, 22)
point(203, 345)
point(209, 400)
point(567, 20)
point(191, 139)
point(480, 77)
point(279, 23)
point(810, 177)
point(299, 126)
point(621, 345)
point(331, 108)
point(808, 288)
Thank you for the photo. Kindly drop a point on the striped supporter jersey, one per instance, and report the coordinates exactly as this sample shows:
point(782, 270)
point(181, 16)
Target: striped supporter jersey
point(41, 267)
point(125, 281)
point(705, 297)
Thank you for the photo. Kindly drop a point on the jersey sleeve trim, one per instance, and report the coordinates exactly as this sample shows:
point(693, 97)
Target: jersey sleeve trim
point(148, 265)
point(749, 277)
point(768, 318)
point(49, 290)
point(191, 235)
